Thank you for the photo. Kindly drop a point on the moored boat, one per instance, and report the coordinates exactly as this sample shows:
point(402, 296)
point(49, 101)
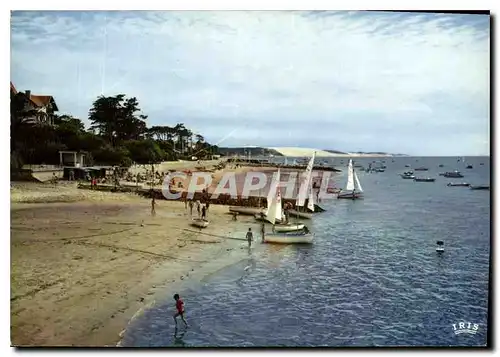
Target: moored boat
point(421, 169)
point(458, 184)
point(295, 213)
point(424, 179)
point(469, 167)
point(290, 227)
point(289, 238)
point(455, 174)
point(479, 187)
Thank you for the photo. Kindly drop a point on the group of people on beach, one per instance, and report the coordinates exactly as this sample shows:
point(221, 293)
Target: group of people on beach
point(201, 208)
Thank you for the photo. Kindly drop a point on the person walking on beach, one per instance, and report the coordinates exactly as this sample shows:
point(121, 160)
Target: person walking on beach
point(191, 207)
point(179, 306)
point(203, 212)
point(185, 203)
point(262, 230)
point(153, 204)
point(206, 205)
point(249, 237)
point(198, 207)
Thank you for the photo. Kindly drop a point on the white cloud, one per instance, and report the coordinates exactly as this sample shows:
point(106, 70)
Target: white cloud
point(362, 71)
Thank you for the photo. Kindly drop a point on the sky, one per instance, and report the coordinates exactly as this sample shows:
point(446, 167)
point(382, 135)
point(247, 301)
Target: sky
point(410, 83)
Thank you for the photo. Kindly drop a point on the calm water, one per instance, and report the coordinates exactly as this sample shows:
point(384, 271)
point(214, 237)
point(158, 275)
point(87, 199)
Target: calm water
point(372, 277)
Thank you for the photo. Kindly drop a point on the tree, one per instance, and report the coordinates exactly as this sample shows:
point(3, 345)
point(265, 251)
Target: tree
point(145, 151)
point(116, 119)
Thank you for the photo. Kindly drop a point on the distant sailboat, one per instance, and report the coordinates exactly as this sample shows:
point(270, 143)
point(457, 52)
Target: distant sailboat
point(353, 189)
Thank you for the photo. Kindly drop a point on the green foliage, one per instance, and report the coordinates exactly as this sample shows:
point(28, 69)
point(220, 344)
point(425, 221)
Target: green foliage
point(118, 135)
point(145, 151)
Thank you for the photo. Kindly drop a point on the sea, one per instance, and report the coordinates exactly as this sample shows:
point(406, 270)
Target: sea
point(371, 278)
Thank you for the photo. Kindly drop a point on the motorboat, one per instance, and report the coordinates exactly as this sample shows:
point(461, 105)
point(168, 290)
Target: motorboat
point(441, 165)
point(469, 167)
point(407, 175)
point(424, 179)
point(458, 184)
point(455, 174)
point(421, 169)
point(440, 246)
point(479, 187)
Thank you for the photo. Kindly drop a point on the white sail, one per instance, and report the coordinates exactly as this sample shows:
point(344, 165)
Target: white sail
point(358, 184)
point(310, 202)
point(350, 177)
point(273, 187)
point(271, 212)
point(279, 207)
point(304, 188)
point(274, 206)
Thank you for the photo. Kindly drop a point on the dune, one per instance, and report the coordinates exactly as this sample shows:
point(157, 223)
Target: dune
point(306, 152)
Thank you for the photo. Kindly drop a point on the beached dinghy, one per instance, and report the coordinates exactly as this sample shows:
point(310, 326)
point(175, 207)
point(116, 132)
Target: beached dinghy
point(304, 215)
point(250, 211)
point(289, 238)
point(200, 223)
point(353, 188)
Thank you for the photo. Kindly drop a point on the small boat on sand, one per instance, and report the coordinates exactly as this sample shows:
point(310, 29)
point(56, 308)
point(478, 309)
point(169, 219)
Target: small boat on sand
point(250, 211)
point(199, 222)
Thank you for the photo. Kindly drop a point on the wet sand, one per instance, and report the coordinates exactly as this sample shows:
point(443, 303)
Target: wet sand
point(82, 268)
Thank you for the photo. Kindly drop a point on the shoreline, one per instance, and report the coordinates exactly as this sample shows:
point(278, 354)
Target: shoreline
point(83, 270)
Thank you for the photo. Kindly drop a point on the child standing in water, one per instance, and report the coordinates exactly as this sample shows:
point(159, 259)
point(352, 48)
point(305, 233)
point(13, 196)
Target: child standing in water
point(179, 305)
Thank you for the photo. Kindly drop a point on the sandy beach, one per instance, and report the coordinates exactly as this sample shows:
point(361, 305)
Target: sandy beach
point(86, 262)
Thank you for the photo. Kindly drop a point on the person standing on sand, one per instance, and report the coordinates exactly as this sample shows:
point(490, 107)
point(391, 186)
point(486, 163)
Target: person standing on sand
point(185, 203)
point(206, 206)
point(249, 237)
point(203, 212)
point(179, 305)
point(153, 204)
point(191, 207)
point(262, 230)
point(198, 207)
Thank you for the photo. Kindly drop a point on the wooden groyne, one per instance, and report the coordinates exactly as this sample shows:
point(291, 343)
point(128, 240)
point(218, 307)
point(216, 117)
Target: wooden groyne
point(223, 199)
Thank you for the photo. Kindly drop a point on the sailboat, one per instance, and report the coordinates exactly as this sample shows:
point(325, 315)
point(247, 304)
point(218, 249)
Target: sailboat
point(301, 199)
point(274, 212)
point(353, 189)
point(296, 237)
